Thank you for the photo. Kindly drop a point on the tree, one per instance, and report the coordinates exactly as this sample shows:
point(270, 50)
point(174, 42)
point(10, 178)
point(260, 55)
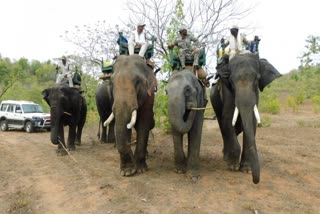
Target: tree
point(207, 19)
point(312, 53)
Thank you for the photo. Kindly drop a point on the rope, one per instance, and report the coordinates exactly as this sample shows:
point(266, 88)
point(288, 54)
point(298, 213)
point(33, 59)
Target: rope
point(68, 152)
point(198, 109)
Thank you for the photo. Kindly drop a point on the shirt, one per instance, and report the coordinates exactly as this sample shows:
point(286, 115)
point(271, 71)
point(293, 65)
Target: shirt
point(139, 38)
point(186, 43)
point(236, 44)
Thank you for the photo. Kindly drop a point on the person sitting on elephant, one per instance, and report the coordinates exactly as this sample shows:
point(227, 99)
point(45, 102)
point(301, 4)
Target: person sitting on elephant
point(107, 70)
point(187, 44)
point(236, 42)
point(63, 71)
point(139, 39)
point(76, 78)
point(253, 45)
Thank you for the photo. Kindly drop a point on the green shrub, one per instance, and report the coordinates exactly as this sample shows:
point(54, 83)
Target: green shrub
point(266, 121)
point(269, 103)
point(316, 103)
point(161, 109)
point(292, 103)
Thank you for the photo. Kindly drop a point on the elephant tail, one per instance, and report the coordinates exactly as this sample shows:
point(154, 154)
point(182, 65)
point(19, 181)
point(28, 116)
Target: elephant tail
point(99, 126)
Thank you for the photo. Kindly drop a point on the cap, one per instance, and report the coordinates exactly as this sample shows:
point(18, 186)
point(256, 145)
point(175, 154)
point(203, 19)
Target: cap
point(141, 24)
point(63, 57)
point(234, 27)
point(182, 28)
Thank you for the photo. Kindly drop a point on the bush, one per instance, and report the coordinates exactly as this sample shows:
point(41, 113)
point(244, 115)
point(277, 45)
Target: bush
point(292, 103)
point(265, 121)
point(161, 109)
point(270, 104)
point(316, 103)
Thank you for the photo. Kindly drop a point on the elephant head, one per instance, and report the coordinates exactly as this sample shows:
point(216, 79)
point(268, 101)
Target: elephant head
point(235, 101)
point(133, 92)
point(67, 107)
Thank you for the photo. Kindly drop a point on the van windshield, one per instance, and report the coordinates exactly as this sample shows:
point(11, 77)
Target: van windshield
point(31, 108)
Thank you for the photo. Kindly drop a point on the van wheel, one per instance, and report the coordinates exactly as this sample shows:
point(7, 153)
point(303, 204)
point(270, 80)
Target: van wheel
point(28, 127)
point(4, 125)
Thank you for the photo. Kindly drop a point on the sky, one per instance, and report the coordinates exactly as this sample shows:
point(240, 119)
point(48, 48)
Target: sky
point(32, 28)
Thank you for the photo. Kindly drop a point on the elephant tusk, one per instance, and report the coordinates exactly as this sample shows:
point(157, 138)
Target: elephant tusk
point(133, 119)
point(256, 114)
point(235, 116)
point(109, 120)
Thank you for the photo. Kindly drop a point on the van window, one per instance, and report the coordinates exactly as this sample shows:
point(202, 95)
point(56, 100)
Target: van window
point(10, 108)
point(4, 107)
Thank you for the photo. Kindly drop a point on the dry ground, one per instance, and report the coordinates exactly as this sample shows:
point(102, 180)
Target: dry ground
point(33, 179)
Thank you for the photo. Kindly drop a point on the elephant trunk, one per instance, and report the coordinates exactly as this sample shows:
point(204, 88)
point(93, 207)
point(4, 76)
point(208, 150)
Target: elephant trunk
point(180, 115)
point(248, 119)
point(246, 101)
point(55, 121)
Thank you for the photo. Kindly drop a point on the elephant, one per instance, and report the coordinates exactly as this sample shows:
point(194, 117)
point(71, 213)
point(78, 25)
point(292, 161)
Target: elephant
point(67, 107)
point(235, 100)
point(104, 102)
point(185, 95)
point(133, 92)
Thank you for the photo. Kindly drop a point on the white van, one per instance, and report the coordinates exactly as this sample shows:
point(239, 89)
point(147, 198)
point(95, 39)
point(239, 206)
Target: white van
point(25, 115)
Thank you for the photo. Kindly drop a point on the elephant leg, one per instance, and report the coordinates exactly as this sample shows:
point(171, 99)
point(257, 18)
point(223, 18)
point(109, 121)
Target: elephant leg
point(127, 166)
point(111, 136)
point(194, 141)
point(72, 138)
point(80, 126)
point(61, 146)
point(179, 156)
point(141, 150)
point(103, 138)
point(231, 147)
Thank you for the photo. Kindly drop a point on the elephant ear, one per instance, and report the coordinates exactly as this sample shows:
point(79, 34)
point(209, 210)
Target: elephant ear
point(268, 74)
point(45, 93)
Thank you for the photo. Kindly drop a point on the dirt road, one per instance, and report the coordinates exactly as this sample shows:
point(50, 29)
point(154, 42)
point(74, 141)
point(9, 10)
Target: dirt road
point(33, 179)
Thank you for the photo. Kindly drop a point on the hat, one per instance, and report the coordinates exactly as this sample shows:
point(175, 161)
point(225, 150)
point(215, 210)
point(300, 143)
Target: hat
point(141, 24)
point(182, 28)
point(234, 27)
point(63, 57)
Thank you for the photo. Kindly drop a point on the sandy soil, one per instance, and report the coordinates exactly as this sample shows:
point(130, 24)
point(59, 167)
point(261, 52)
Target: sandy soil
point(33, 179)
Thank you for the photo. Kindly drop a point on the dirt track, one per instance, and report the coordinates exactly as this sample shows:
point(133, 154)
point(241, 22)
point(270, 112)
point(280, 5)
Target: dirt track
point(33, 179)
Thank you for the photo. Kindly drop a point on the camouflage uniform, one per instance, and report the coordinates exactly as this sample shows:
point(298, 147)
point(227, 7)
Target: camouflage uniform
point(185, 48)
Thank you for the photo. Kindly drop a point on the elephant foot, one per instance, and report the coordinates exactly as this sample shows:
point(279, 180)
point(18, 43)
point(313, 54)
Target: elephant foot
point(232, 161)
point(246, 168)
point(141, 168)
point(71, 147)
point(128, 172)
point(78, 143)
point(180, 170)
point(194, 179)
point(233, 165)
point(61, 152)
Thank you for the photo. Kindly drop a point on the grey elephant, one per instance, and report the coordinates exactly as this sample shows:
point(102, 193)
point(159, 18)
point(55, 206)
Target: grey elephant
point(235, 101)
point(185, 107)
point(67, 107)
point(104, 102)
point(133, 93)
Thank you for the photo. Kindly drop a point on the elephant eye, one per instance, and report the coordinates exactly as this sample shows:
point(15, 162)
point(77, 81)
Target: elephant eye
point(187, 91)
